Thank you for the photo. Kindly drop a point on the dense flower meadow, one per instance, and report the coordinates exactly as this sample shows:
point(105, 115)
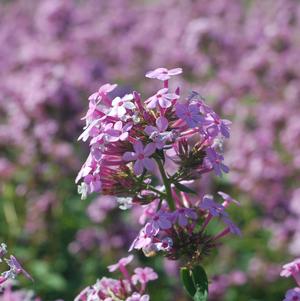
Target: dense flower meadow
point(161, 155)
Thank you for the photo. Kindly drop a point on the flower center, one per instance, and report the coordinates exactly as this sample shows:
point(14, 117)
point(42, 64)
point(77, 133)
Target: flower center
point(141, 156)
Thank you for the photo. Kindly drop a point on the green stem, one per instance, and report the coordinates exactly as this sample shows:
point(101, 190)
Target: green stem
point(167, 184)
point(155, 190)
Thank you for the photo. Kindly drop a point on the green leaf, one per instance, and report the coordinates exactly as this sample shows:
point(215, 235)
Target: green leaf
point(187, 281)
point(201, 283)
point(184, 188)
point(200, 296)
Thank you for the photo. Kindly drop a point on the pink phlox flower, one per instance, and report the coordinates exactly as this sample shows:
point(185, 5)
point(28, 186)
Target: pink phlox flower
point(215, 125)
point(216, 160)
point(143, 275)
point(163, 73)
point(101, 136)
point(97, 151)
point(89, 165)
point(121, 105)
point(105, 286)
point(93, 182)
point(161, 98)
point(292, 269)
point(189, 113)
point(138, 297)
point(121, 263)
point(103, 90)
point(233, 228)
point(91, 130)
point(158, 134)
point(141, 156)
point(148, 211)
point(15, 269)
point(228, 199)
point(182, 215)
point(165, 244)
point(208, 204)
point(95, 99)
point(292, 294)
point(144, 239)
point(161, 220)
point(118, 132)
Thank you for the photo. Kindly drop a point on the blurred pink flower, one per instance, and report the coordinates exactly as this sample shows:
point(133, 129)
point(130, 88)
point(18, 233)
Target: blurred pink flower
point(163, 73)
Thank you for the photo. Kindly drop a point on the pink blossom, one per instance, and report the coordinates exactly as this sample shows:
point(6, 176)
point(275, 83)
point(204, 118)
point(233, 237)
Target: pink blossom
point(292, 269)
point(216, 125)
point(292, 294)
point(94, 111)
point(183, 214)
point(93, 183)
point(216, 160)
point(189, 113)
point(161, 98)
point(118, 132)
point(208, 204)
point(121, 263)
point(158, 134)
point(143, 275)
point(144, 238)
point(141, 157)
point(163, 73)
point(165, 244)
point(232, 227)
point(121, 105)
point(161, 221)
point(103, 90)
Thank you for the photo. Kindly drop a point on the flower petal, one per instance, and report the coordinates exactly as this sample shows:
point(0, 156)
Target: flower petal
point(149, 149)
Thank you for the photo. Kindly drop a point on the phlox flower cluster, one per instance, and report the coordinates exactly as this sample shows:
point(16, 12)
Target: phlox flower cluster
point(182, 233)
point(288, 270)
point(15, 268)
point(129, 287)
point(148, 153)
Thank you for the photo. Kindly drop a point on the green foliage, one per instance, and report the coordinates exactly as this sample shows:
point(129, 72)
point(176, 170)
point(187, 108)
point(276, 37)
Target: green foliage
point(195, 282)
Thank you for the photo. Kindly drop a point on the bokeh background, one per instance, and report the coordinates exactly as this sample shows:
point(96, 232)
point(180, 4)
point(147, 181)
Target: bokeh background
point(243, 56)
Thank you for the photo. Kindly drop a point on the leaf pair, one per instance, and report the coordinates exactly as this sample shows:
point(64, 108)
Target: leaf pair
point(195, 282)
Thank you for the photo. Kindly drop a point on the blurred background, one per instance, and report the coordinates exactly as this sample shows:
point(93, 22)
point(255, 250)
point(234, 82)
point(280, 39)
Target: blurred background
point(243, 56)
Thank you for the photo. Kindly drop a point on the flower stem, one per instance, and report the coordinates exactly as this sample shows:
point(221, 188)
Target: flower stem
point(167, 185)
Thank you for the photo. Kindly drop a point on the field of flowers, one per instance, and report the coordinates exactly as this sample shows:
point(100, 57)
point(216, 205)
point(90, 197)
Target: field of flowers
point(157, 156)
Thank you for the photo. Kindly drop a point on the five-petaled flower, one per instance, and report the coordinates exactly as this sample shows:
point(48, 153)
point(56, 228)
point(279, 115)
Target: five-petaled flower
point(141, 156)
point(121, 105)
point(162, 98)
point(143, 275)
point(189, 113)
